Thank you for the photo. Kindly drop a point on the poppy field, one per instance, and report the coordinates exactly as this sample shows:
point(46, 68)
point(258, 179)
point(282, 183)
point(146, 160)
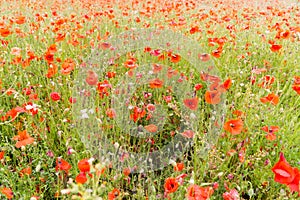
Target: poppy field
point(161, 99)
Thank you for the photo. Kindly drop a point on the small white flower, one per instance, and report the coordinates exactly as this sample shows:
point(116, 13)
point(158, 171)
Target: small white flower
point(191, 181)
point(65, 191)
point(91, 160)
point(38, 167)
point(28, 107)
point(130, 107)
point(83, 111)
point(59, 133)
point(193, 116)
point(116, 145)
point(91, 111)
point(84, 116)
point(172, 162)
point(89, 190)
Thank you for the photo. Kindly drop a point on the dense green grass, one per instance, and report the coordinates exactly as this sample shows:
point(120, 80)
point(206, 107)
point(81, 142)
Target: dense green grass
point(56, 129)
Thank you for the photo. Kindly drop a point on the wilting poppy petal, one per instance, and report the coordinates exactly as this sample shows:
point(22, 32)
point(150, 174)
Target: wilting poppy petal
point(188, 134)
point(151, 128)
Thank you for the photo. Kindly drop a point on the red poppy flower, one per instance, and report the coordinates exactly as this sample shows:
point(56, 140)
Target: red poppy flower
point(84, 165)
point(103, 88)
point(234, 126)
point(296, 80)
point(92, 78)
point(191, 103)
point(25, 171)
point(20, 20)
point(295, 184)
point(4, 32)
point(195, 192)
point(188, 134)
point(271, 136)
point(63, 165)
point(151, 107)
point(113, 194)
point(296, 88)
point(156, 83)
point(126, 171)
point(111, 74)
point(175, 58)
point(284, 173)
point(60, 37)
point(2, 155)
point(104, 45)
point(198, 86)
point(238, 113)
point(81, 178)
point(194, 29)
point(285, 34)
point(52, 49)
point(270, 130)
point(23, 139)
point(204, 57)
point(31, 107)
point(68, 66)
point(7, 192)
point(171, 185)
point(49, 57)
point(217, 53)
point(147, 49)
point(111, 113)
point(156, 68)
point(216, 86)
point(272, 98)
point(52, 70)
point(267, 81)
point(258, 70)
point(213, 97)
point(179, 167)
point(275, 47)
point(171, 72)
point(55, 96)
point(72, 100)
point(227, 84)
point(13, 113)
point(231, 195)
point(130, 63)
point(137, 114)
